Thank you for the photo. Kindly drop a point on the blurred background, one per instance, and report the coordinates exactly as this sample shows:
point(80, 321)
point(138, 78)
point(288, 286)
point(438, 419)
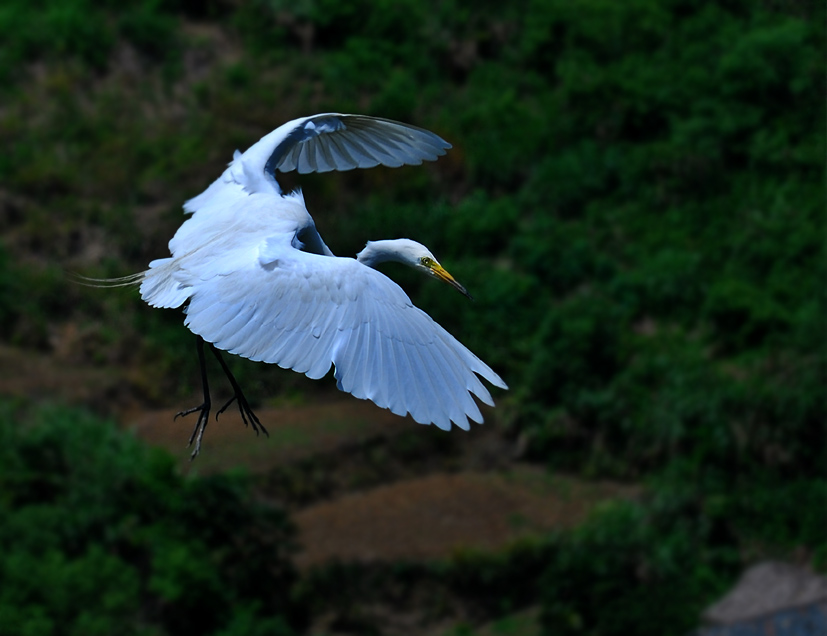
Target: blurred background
point(635, 199)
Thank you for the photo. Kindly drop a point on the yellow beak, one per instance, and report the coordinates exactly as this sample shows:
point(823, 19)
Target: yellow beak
point(442, 274)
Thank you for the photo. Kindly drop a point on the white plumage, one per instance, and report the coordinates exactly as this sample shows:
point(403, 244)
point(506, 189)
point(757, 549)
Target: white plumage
point(261, 283)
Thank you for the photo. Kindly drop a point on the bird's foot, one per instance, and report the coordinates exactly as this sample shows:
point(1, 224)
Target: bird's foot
point(200, 425)
point(247, 415)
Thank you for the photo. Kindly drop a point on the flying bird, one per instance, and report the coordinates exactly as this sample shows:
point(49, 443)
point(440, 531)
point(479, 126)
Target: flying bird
point(256, 279)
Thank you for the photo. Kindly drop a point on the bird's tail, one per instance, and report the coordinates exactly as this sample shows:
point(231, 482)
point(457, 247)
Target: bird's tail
point(123, 281)
point(160, 286)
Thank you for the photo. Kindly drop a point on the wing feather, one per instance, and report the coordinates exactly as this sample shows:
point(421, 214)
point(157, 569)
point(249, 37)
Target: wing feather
point(466, 384)
point(344, 157)
point(354, 149)
point(447, 384)
point(348, 364)
point(242, 331)
point(326, 162)
point(370, 360)
point(236, 323)
point(384, 373)
point(320, 143)
point(417, 368)
point(414, 393)
point(442, 386)
point(375, 151)
point(359, 141)
point(395, 390)
point(309, 311)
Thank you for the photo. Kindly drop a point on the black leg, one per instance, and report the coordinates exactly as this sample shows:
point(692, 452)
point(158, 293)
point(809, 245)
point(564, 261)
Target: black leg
point(247, 414)
point(204, 408)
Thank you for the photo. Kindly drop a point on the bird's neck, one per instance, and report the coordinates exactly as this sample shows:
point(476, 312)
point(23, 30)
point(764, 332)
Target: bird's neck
point(377, 252)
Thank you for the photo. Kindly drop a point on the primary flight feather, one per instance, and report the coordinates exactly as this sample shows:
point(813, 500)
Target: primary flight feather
point(258, 281)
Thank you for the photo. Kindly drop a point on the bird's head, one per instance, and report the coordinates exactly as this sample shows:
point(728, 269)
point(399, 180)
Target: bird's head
point(409, 253)
point(429, 265)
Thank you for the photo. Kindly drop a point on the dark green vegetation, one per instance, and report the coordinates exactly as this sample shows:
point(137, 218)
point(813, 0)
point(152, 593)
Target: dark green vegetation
point(635, 199)
point(101, 536)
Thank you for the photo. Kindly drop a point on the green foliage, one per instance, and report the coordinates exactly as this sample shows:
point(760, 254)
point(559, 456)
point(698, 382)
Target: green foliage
point(81, 30)
point(629, 572)
point(101, 536)
point(489, 584)
point(149, 29)
point(651, 567)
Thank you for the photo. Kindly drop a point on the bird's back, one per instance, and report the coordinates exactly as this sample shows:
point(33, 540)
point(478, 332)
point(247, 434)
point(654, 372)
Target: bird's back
point(222, 240)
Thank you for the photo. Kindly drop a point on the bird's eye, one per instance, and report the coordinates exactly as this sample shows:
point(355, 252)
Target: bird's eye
point(427, 261)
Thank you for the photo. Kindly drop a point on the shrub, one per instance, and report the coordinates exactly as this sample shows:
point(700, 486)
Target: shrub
point(102, 536)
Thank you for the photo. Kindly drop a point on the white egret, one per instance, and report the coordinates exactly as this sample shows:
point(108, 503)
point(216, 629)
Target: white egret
point(257, 280)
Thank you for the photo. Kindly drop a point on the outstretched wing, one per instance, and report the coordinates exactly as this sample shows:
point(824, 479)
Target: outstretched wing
point(305, 312)
point(343, 142)
point(320, 143)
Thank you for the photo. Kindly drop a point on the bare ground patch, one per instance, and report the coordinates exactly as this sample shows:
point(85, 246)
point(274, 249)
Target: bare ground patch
point(430, 518)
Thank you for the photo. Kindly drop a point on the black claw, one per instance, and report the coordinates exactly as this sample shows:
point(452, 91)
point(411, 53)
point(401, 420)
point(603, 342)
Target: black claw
point(224, 408)
point(200, 425)
point(248, 417)
point(188, 411)
point(203, 409)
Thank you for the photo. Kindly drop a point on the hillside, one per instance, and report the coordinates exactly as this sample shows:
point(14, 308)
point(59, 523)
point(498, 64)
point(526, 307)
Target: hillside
point(635, 200)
